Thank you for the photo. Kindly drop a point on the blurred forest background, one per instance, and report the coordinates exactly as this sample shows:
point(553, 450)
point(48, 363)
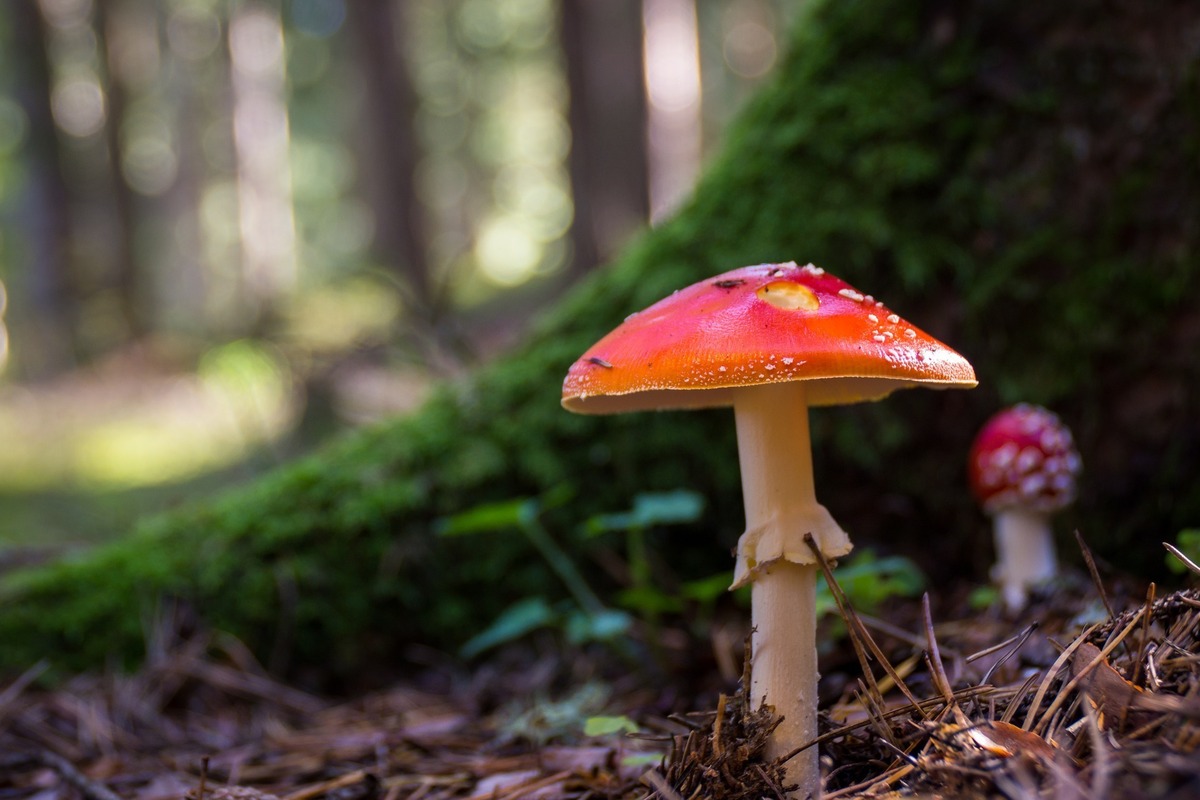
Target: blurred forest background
point(232, 230)
point(219, 243)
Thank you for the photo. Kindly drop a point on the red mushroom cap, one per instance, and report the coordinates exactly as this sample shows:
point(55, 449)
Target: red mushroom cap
point(1024, 456)
point(756, 325)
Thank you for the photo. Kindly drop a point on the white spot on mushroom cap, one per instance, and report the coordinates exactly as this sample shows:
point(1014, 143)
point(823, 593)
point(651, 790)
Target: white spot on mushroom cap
point(1029, 459)
point(1004, 455)
point(1032, 484)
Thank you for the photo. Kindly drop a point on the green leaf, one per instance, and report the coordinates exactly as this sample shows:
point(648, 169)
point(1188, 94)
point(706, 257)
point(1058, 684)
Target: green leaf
point(514, 622)
point(488, 518)
point(649, 599)
point(869, 582)
point(982, 597)
point(607, 726)
point(601, 626)
point(706, 590)
point(678, 507)
point(641, 759)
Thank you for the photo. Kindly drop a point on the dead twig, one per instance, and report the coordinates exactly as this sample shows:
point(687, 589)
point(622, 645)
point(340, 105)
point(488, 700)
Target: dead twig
point(90, 789)
point(1094, 572)
point(1187, 562)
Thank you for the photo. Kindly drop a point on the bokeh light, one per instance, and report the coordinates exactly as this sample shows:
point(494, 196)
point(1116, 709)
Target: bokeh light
point(78, 106)
point(506, 250)
point(193, 32)
point(149, 161)
point(66, 13)
point(320, 18)
point(749, 49)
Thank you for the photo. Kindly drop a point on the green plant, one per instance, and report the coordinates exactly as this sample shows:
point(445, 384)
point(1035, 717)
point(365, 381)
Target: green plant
point(869, 582)
point(650, 510)
point(588, 619)
point(607, 726)
point(542, 718)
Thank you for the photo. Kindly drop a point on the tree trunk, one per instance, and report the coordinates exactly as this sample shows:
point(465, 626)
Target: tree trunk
point(602, 48)
point(126, 273)
point(260, 135)
point(390, 164)
point(46, 219)
point(673, 84)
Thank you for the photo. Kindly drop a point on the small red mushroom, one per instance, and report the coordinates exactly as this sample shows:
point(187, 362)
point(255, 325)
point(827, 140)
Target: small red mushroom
point(771, 341)
point(1022, 468)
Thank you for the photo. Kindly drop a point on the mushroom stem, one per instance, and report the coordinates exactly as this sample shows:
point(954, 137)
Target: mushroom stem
point(1024, 553)
point(781, 507)
point(783, 668)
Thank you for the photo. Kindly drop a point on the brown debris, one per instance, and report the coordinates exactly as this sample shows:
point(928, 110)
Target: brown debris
point(1073, 727)
point(981, 708)
point(722, 757)
point(201, 724)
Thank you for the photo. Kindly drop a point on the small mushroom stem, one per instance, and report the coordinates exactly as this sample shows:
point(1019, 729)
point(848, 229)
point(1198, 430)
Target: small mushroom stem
point(781, 507)
point(1024, 553)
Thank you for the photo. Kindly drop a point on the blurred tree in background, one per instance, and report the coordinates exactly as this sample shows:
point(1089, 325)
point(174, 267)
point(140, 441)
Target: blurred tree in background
point(191, 167)
point(276, 216)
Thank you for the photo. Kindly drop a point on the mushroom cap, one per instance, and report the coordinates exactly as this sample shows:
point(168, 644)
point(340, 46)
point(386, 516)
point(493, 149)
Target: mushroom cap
point(1023, 457)
point(757, 325)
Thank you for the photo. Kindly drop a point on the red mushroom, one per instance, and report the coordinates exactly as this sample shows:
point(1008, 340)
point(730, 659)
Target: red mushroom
point(769, 340)
point(1022, 467)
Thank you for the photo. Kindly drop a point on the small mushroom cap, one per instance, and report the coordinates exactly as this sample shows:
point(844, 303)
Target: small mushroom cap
point(756, 325)
point(1024, 457)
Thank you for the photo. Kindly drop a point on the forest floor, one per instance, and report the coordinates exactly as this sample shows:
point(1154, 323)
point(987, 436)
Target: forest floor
point(1088, 693)
point(89, 453)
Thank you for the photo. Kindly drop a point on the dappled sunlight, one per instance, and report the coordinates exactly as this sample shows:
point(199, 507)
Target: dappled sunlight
point(673, 89)
point(339, 317)
point(261, 135)
point(151, 414)
point(130, 422)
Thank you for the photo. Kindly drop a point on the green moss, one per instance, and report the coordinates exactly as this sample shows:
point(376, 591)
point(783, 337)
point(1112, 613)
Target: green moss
point(1039, 216)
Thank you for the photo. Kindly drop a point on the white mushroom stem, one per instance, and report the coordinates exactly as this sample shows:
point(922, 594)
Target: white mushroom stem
point(1024, 553)
point(784, 666)
point(781, 507)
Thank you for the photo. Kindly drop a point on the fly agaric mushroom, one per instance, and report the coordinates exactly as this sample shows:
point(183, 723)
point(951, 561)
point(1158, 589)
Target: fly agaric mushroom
point(769, 340)
point(1022, 467)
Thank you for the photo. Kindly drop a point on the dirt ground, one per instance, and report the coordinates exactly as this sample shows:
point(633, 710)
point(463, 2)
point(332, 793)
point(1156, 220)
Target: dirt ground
point(1085, 694)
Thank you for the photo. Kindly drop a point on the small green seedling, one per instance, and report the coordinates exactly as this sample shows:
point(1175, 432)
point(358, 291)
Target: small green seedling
point(608, 726)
